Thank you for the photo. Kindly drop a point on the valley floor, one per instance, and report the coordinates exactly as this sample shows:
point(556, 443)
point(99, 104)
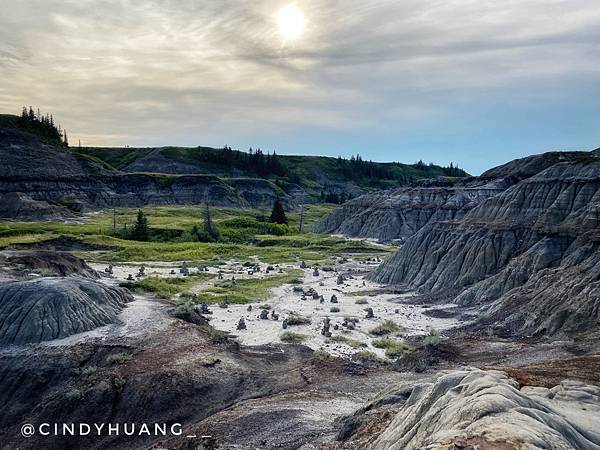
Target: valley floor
point(259, 387)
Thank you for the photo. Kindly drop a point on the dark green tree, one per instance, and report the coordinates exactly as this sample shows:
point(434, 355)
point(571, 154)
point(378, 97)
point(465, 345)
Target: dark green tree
point(278, 213)
point(209, 227)
point(141, 230)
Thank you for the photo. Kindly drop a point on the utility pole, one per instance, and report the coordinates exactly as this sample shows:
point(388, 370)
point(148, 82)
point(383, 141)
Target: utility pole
point(301, 217)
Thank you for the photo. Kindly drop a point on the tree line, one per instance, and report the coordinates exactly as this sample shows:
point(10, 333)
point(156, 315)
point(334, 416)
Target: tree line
point(42, 125)
point(256, 161)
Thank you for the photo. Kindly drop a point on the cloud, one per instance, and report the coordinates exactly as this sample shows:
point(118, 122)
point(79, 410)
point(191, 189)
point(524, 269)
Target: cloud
point(189, 70)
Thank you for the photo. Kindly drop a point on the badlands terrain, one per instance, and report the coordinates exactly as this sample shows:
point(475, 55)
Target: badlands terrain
point(447, 313)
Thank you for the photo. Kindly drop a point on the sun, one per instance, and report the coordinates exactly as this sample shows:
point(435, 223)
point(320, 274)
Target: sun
point(290, 22)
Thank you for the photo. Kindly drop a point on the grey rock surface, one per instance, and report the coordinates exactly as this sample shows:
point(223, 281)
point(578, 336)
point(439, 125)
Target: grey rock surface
point(527, 257)
point(53, 182)
point(490, 409)
point(53, 308)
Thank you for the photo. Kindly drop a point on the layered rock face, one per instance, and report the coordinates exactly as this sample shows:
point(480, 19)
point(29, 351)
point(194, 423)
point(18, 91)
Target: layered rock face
point(479, 409)
point(400, 213)
point(40, 181)
point(51, 263)
point(53, 308)
point(528, 256)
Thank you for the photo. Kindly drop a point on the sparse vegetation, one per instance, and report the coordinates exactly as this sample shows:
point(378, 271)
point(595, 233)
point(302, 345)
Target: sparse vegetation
point(366, 356)
point(119, 382)
point(166, 287)
point(245, 291)
point(119, 358)
point(354, 343)
point(392, 347)
point(87, 371)
point(433, 338)
point(216, 336)
point(292, 338)
point(386, 327)
point(295, 320)
point(74, 394)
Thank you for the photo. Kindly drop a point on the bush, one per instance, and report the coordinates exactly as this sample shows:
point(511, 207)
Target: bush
point(298, 320)
point(366, 356)
point(355, 343)
point(361, 301)
point(87, 371)
point(334, 309)
point(119, 382)
point(433, 338)
point(119, 358)
point(292, 338)
point(74, 394)
point(393, 348)
point(384, 328)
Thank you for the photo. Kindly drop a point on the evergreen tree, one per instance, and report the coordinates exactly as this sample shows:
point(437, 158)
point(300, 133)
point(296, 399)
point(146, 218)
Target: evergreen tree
point(209, 227)
point(141, 230)
point(278, 213)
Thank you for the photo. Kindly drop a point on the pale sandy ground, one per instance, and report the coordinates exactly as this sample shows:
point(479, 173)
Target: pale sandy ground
point(285, 302)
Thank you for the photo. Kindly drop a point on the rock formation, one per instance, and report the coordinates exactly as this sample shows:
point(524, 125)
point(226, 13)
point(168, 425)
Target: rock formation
point(478, 409)
point(527, 257)
point(40, 181)
point(53, 308)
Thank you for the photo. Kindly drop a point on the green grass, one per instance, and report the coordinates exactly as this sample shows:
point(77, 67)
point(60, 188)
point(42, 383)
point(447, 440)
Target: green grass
point(247, 290)
point(386, 327)
point(166, 287)
point(292, 338)
point(393, 348)
point(244, 233)
point(354, 343)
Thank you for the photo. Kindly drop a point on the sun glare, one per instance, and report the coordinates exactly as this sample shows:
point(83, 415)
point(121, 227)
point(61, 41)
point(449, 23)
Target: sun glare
point(290, 22)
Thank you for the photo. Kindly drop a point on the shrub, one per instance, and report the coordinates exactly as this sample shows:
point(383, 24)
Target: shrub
point(355, 343)
point(298, 320)
point(87, 371)
point(119, 358)
point(334, 309)
point(366, 356)
point(361, 301)
point(292, 338)
point(393, 348)
point(433, 338)
point(384, 328)
point(74, 394)
point(119, 382)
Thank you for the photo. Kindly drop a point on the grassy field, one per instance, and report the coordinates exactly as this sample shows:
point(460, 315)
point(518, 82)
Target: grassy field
point(248, 290)
point(245, 235)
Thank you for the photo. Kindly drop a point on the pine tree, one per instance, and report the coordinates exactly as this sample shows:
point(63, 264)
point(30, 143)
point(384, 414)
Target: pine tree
point(141, 230)
point(65, 139)
point(278, 213)
point(209, 227)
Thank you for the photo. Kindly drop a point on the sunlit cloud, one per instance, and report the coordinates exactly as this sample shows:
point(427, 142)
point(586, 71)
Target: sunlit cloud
point(188, 72)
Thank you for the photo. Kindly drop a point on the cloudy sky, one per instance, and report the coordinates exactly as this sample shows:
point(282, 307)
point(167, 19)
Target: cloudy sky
point(476, 82)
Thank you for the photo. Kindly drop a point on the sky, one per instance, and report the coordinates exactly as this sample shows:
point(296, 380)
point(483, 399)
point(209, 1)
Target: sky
point(474, 82)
